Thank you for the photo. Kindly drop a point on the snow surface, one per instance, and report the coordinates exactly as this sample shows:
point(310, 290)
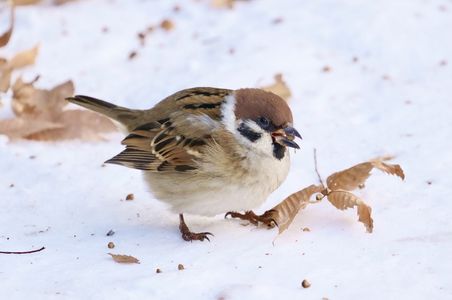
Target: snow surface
point(395, 97)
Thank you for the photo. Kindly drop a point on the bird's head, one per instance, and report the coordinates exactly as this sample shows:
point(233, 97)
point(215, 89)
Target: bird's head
point(264, 121)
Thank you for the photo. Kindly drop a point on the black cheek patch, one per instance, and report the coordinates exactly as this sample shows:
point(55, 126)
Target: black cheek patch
point(279, 151)
point(249, 133)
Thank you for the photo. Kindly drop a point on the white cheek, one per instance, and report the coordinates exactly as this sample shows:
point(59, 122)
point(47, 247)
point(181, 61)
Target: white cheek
point(263, 145)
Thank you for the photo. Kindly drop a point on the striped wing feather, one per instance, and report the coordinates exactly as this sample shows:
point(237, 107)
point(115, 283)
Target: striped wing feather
point(174, 144)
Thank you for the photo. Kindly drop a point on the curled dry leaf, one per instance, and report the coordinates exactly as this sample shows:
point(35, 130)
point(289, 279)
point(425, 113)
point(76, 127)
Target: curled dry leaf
point(77, 124)
point(351, 178)
point(5, 37)
point(25, 2)
point(223, 3)
point(62, 2)
point(38, 103)
point(284, 213)
point(5, 78)
point(124, 259)
point(20, 60)
point(343, 200)
point(24, 58)
point(388, 168)
point(22, 128)
point(40, 115)
point(279, 88)
point(355, 176)
point(337, 192)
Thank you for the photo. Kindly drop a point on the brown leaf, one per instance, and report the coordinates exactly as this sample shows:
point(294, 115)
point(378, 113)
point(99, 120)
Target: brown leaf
point(124, 259)
point(24, 58)
point(25, 2)
point(279, 88)
point(77, 124)
point(5, 37)
point(349, 179)
point(41, 116)
point(20, 60)
point(343, 200)
point(223, 3)
point(285, 212)
point(5, 78)
point(30, 102)
point(22, 128)
point(388, 168)
point(62, 2)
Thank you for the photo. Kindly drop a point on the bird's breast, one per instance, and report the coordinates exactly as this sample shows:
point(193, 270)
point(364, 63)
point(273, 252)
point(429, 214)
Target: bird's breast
point(244, 186)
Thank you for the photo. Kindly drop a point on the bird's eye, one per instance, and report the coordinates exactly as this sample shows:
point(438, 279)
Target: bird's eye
point(263, 122)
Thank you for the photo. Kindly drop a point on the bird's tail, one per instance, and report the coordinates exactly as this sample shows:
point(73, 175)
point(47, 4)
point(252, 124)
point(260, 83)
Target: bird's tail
point(127, 117)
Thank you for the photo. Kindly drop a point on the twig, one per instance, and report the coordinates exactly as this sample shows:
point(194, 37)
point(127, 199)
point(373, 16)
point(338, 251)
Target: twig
point(22, 252)
point(315, 166)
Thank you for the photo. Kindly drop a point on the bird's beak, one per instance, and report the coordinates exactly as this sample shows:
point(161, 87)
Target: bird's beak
point(285, 137)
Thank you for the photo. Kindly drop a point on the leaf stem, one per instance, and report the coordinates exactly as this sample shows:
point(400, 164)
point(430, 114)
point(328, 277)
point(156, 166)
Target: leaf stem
point(316, 169)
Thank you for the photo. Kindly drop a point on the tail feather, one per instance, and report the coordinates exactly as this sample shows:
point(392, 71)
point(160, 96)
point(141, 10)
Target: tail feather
point(125, 116)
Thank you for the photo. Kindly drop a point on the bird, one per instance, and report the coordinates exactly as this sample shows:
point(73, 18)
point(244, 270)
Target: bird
point(204, 150)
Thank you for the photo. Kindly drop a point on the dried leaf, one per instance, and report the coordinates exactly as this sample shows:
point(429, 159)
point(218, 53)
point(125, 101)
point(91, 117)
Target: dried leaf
point(343, 200)
point(44, 104)
point(223, 3)
point(5, 37)
point(279, 88)
point(24, 58)
point(25, 2)
point(124, 259)
point(22, 128)
point(20, 60)
point(388, 168)
point(351, 178)
point(5, 78)
point(285, 212)
point(62, 2)
point(77, 124)
point(337, 193)
point(41, 116)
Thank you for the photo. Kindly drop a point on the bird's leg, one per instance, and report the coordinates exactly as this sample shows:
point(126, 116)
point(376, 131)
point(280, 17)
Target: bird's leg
point(266, 218)
point(187, 235)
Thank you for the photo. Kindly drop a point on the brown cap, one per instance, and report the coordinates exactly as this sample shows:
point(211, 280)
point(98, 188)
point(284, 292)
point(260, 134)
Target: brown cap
point(255, 103)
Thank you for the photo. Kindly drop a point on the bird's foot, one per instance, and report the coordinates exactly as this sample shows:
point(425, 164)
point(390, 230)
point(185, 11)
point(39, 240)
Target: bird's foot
point(189, 236)
point(266, 218)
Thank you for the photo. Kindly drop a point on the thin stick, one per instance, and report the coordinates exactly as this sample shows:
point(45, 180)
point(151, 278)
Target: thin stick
point(22, 252)
point(315, 166)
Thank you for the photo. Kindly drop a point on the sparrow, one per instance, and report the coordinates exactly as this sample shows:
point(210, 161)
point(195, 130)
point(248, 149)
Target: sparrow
point(205, 150)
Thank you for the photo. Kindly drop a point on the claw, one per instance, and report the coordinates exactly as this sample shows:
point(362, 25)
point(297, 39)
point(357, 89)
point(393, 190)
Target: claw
point(251, 217)
point(189, 236)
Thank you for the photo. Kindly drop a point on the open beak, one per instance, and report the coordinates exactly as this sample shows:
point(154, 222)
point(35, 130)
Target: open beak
point(285, 137)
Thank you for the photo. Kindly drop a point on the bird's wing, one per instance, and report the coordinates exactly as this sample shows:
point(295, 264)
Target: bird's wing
point(175, 143)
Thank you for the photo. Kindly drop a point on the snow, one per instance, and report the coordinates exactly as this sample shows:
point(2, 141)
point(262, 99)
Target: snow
point(395, 98)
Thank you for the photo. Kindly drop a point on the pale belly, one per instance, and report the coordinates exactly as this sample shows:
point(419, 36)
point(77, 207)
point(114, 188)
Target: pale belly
point(209, 195)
